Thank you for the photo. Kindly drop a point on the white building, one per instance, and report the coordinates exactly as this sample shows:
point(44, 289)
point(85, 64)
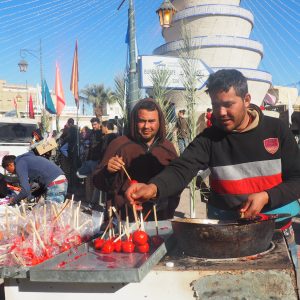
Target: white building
point(220, 36)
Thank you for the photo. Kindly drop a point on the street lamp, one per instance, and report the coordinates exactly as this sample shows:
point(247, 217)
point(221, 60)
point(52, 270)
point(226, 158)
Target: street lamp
point(23, 65)
point(166, 11)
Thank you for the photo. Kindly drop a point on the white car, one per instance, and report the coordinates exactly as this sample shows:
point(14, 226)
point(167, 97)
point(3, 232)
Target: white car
point(15, 136)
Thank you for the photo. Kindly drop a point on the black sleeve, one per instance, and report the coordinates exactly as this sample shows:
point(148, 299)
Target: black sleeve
point(289, 189)
point(175, 177)
point(3, 188)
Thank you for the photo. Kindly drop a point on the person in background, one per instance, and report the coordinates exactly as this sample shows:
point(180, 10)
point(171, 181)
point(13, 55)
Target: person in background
point(4, 191)
point(182, 128)
point(108, 129)
point(31, 168)
point(84, 142)
point(254, 161)
point(95, 140)
point(70, 141)
point(93, 158)
point(208, 117)
point(144, 152)
point(119, 124)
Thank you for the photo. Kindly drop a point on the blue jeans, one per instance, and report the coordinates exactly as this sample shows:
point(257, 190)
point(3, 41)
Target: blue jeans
point(182, 144)
point(57, 192)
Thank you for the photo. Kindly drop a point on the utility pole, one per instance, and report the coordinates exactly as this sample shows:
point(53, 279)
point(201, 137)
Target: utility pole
point(133, 75)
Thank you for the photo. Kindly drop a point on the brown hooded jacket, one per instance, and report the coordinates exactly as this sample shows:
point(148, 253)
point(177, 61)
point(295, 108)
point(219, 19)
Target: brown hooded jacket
point(142, 163)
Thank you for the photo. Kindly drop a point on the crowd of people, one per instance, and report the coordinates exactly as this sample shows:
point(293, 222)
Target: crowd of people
point(254, 160)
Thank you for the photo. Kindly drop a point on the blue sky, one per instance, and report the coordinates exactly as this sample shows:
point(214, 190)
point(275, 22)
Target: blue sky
point(100, 30)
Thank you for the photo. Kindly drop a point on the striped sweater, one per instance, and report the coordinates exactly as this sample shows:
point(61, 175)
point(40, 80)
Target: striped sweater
point(263, 158)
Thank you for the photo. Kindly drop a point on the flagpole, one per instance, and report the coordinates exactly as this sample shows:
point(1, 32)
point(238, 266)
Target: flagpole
point(27, 103)
point(74, 89)
point(77, 122)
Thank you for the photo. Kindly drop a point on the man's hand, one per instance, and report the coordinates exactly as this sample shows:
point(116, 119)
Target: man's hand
point(115, 164)
point(12, 201)
point(140, 192)
point(254, 204)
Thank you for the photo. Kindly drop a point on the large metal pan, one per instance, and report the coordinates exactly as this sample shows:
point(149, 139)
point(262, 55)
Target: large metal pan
point(222, 239)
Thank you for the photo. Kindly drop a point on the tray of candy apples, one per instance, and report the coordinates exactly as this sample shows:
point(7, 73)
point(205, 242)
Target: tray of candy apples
point(125, 252)
point(29, 237)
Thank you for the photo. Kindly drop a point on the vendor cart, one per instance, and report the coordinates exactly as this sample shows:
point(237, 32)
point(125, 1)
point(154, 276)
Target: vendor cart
point(164, 273)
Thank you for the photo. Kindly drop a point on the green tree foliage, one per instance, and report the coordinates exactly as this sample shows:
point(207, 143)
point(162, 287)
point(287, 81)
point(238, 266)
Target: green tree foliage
point(99, 97)
point(160, 79)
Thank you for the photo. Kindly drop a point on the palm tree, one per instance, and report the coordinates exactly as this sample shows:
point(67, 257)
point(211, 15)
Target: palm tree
point(99, 97)
point(120, 92)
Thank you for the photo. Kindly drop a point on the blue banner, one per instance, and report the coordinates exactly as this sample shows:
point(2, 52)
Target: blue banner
point(46, 98)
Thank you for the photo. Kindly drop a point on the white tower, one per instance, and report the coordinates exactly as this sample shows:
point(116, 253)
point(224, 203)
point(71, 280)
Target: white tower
point(220, 31)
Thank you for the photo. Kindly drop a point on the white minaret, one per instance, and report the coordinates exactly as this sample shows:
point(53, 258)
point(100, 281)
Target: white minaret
point(220, 32)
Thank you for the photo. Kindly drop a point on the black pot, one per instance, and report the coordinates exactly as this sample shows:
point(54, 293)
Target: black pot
point(221, 239)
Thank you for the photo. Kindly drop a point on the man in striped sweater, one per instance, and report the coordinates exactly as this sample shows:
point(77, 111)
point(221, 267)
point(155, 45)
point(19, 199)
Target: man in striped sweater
point(254, 159)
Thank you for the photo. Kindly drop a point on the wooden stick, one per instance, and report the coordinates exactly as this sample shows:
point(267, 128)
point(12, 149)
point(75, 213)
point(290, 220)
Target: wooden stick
point(5, 246)
point(7, 221)
point(142, 221)
point(124, 169)
point(18, 259)
point(37, 235)
point(45, 223)
point(147, 215)
point(86, 222)
point(23, 207)
point(155, 218)
point(71, 212)
point(127, 217)
point(118, 217)
point(14, 212)
point(78, 209)
point(120, 224)
point(34, 242)
point(2, 256)
point(135, 216)
point(63, 208)
point(110, 217)
point(18, 209)
point(108, 225)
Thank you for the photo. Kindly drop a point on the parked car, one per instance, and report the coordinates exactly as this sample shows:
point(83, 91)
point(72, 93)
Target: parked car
point(15, 136)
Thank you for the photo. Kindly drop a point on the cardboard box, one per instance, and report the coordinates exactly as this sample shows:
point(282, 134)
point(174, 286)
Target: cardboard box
point(46, 146)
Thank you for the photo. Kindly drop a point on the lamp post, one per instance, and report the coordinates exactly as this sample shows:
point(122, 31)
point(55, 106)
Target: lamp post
point(166, 11)
point(23, 65)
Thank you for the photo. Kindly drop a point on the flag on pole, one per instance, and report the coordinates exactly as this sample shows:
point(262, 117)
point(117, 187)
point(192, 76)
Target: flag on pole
point(15, 104)
point(30, 108)
point(75, 76)
point(47, 99)
point(60, 98)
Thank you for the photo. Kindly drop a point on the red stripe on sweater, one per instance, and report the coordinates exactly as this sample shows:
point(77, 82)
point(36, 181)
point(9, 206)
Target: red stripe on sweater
point(245, 186)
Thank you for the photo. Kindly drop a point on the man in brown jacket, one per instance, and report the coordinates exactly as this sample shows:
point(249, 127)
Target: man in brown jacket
point(144, 152)
point(182, 131)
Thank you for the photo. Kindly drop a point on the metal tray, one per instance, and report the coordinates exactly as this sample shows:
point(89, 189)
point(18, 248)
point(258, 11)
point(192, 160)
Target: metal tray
point(84, 264)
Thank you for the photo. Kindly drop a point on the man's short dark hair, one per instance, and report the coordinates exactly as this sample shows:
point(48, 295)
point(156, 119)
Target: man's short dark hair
point(148, 105)
point(182, 111)
point(7, 159)
point(95, 119)
point(223, 80)
point(108, 124)
point(70, 121)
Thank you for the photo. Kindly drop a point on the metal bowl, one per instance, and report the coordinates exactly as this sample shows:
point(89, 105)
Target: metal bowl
point(222, 239)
